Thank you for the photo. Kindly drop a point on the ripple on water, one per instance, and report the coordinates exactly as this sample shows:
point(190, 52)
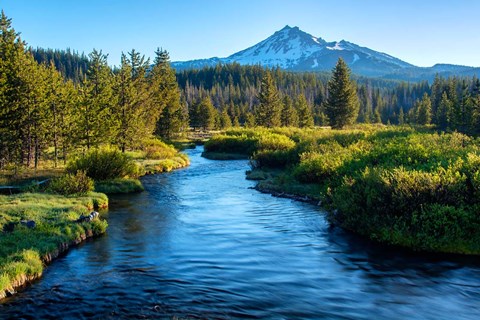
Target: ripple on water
point(200, 244)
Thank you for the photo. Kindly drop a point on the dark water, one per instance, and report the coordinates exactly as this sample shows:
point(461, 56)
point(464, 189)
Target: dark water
point(200, 244)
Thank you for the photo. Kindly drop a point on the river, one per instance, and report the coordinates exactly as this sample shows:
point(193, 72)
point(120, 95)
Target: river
point(200, 243)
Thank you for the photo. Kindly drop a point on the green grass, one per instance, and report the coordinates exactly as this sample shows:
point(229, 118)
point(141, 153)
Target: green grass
point(22, 250)
point(152, 166)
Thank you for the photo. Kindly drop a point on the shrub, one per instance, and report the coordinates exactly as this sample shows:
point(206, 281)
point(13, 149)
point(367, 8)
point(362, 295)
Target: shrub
point(71, 184)
point(239, 144)
point(156, 149)
point(105, 164)
point(274, 141)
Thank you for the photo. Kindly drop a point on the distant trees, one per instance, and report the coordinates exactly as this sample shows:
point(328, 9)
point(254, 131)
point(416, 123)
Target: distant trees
point(268, 110)
point(423, 110)
point(289, 115)
point(304, 111)
point(342, 104)
point(203, 114)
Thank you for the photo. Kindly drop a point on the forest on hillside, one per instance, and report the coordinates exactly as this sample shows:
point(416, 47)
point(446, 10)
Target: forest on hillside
point(234, 89)
point(56, 102)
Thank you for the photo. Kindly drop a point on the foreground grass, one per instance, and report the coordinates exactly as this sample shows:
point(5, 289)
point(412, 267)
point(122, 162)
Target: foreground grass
point(404, 186)
point(23, 251)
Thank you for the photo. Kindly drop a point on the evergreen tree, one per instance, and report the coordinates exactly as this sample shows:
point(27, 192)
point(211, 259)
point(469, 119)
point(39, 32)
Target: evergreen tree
point(342, 103)
point(289, 116)
point(206, 114)
point(401, 117)
point(424, 110)
point(172, 116)
point(444, 112)
point(22, 100)
point(97, 123)
point(267, 113)
point(132, 101)
point(225, 121)
point(305, 117)
point(249, 120)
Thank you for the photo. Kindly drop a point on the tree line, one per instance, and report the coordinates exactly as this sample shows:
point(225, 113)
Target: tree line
point(234, 90)
point(449, 103)
point(43, 111)
point(56, 102)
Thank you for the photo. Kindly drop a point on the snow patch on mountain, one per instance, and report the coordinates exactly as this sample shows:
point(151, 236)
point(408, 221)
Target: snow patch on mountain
point(335, 47)
point(293, 49)
point(355, 58)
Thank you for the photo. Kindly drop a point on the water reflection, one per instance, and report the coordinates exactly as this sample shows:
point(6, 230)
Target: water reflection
point(200, 244)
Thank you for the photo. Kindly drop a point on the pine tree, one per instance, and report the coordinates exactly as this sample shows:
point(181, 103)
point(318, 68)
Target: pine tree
point(268, 112)
point(377, 118)
point(342, 103)
point(225, 121)
point(249, 120)
point(305, 117)
point(97, 122)
point(130, 111)
point(424, 110)
point(289, 116)
point(172, 116)
point(23, 108)
point(444, 112)
point(401, 117)
point(206, 114)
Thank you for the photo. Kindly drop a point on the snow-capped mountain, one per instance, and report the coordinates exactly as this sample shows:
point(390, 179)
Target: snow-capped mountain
point(293, 49)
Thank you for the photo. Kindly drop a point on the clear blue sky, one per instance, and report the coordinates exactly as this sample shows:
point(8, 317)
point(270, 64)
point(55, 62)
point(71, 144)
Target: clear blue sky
point(422, 32)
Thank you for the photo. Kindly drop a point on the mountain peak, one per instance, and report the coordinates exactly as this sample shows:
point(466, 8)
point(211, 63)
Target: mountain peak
point(294, 49)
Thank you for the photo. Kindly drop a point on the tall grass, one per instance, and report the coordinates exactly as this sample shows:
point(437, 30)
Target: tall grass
point(22, 249)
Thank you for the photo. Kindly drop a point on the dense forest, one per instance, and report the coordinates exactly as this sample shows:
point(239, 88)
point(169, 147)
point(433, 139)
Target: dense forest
point(234, 89)
point(56, 102)
point(49, 110)
point(381, 101)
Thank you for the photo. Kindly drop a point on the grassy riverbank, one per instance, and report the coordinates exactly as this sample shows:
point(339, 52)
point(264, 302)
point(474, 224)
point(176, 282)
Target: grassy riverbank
point(112, 171)
point(24, 250)
point(40, 222)
point(398, 185)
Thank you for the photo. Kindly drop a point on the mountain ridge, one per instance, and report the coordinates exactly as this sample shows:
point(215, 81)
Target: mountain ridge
point(295, 50)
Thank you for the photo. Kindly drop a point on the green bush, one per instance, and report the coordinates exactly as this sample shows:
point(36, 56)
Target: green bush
point(105, 164)
point(71, 184)
point(274, 141)
point(238, 144)
point(156, 149)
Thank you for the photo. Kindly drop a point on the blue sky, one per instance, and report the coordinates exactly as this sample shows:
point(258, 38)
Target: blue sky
point(422, 32)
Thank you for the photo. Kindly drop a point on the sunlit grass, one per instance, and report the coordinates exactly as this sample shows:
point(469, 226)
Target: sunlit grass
point(22, 250)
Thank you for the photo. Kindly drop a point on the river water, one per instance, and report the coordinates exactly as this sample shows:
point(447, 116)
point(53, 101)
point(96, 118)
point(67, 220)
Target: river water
point(199, 243)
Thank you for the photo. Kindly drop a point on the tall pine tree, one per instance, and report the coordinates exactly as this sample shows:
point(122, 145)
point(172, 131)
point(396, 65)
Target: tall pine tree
point(342, 103)
point(173, 116)
point(268, 111)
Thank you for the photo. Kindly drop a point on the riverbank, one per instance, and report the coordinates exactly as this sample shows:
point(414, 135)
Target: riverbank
point(408, 187)
point(36, 228)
